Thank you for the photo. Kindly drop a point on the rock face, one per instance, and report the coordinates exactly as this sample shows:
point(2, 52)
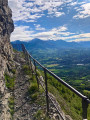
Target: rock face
point(6, 28)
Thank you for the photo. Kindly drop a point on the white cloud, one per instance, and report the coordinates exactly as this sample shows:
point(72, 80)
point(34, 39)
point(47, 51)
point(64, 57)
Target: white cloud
point(83, 11)
point(22, 33)
point(32, 10)
point(38, 27)
point(58, 14)
point(54, 34)
point(79, 37)
point(82, 39)
point(73, 3)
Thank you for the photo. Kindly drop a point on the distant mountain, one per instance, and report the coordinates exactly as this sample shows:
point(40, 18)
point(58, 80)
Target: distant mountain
point(50, 44)
point(85, 44)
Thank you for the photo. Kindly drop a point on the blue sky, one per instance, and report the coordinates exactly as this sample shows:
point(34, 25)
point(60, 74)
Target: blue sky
point(68, 20)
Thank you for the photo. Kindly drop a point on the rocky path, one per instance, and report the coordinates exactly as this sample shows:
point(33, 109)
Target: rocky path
point(21, 97)
point(23, 109)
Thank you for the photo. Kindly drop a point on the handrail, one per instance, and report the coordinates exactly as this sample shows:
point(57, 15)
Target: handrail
point(60, 80)
point(85, 100)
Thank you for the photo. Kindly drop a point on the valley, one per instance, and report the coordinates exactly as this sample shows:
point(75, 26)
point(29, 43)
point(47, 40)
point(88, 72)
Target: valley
point(74, 69)
point(71, 63)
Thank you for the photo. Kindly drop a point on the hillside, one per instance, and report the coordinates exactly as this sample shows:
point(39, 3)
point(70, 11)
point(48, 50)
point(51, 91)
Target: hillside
point(6, 55)
point(27, 100)
point(30, 93)
point(18, 101)
point(68, 60)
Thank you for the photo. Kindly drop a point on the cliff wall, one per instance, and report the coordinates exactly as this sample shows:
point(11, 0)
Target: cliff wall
point(6, 28)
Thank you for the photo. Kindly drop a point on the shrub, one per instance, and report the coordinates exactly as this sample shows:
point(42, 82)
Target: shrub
point(38, 73)
point(34, 96)
point(13, 71)
point(33, 88)
point(41, 115)
point(87, 93)
point(26, 69)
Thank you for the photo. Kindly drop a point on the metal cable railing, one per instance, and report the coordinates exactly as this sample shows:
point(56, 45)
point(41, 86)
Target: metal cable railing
point(85, 100)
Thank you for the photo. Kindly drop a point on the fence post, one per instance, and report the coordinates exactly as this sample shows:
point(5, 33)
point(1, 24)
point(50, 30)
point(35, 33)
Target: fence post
point(36, 74)
point(84, 107)
point(25, 54)
point(30, 62)
point(46, 91)
point(31, 66)
point(23, 49)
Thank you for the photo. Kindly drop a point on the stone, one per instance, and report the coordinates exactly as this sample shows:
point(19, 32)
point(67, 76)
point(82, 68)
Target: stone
point(68, 117)
point(6, 54)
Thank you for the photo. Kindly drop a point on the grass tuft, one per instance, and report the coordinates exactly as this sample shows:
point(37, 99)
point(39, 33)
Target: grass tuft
point(9, 82)
point(26, 69)
point(33, 88)
point(40, 115)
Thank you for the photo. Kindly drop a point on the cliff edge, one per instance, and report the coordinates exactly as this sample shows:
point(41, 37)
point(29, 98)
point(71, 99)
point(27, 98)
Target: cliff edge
point(6, 51)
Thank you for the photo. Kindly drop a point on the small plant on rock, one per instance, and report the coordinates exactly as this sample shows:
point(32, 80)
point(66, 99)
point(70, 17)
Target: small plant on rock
point(10, 82)
point(11, 105)
point(33, 88)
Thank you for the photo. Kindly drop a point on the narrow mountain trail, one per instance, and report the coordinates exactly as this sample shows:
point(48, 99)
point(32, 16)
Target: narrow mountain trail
point(23, 110)
point(22, 107)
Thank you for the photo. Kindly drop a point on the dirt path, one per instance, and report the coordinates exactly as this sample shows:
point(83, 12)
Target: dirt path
point(23, 109)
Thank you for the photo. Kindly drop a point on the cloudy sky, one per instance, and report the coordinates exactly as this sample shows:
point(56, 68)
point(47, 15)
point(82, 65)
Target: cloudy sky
point(68, 20)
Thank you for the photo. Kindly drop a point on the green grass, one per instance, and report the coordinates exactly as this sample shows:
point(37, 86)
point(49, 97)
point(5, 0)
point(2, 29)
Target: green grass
point(38, 73)
point(40, 115)
point(10, 82)
point(88, 112)
point(34, 96)
point(78, 81)
point(14, 50)
point(52, 65)
point(26, 69)
point(37, 97)
point(33, 88)
point(11, 105)
point(13, 71)
point(70, 103)
point(87, 93)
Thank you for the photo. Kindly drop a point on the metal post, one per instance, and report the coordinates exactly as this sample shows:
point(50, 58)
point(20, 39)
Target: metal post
point(25, 54)
point(29, 63)
point(31, 66)
point(46, 91)
point(36, 74)
point(26, 57)
point(23, 49)
point(84, 107)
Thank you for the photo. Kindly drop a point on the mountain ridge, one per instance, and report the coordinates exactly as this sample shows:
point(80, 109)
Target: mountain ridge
point(59, 44)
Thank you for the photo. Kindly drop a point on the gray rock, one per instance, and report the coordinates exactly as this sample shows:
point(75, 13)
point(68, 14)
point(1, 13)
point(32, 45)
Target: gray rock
point(6, 28)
